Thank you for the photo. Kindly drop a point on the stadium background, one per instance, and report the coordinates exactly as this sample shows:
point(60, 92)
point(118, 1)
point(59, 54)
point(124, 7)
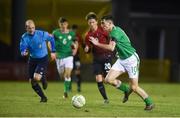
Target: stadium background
point(153, 27)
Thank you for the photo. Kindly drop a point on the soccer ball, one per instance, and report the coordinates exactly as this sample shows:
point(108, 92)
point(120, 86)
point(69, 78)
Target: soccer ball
point(78, 101)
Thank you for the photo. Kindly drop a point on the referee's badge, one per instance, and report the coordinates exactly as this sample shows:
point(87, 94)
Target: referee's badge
point(40, 46)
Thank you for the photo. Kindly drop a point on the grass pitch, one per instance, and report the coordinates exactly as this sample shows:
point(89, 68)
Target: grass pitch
point(17, 99)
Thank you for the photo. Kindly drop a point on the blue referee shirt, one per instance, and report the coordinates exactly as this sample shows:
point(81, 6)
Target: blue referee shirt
point(36, 43)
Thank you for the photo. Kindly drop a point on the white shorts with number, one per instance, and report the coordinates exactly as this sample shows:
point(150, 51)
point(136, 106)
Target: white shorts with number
point(64, 63)
point(129, 65)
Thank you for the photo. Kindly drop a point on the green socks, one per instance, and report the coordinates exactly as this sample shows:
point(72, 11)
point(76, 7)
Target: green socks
point(123, 87)
point(67, 86)
point(148, 101)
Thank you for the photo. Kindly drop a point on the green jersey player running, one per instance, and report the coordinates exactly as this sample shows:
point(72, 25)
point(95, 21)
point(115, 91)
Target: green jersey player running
point(66, 47)
point(128, 61)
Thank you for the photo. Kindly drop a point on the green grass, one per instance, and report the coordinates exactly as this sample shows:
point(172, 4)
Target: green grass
point(18, 99)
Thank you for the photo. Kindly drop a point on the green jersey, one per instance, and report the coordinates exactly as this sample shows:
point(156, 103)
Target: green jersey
point(123, 44)
point(63, 43)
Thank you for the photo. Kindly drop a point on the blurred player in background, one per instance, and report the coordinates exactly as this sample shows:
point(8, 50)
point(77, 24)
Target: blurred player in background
point(128, 61)
point(77, 63)
point(66, 48)
point(102, 58)
point(33, 43)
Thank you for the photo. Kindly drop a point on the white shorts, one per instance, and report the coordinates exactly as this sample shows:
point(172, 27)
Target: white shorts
point(129, 65)
point(64, 63)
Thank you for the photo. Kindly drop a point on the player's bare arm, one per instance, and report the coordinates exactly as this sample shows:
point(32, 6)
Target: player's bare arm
point(53, 54)
point(25, 53)
point(74, 48)
point(110, 46)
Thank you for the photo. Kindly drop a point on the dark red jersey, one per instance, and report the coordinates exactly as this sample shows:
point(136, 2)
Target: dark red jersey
point(79, 39)
point(80, 43)
point(102, 36)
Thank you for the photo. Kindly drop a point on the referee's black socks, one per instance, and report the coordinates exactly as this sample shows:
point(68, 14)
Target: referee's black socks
point(37, 89)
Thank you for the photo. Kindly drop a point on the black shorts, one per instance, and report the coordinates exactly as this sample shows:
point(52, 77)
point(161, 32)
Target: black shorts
point(37, 66)
point(102, 66)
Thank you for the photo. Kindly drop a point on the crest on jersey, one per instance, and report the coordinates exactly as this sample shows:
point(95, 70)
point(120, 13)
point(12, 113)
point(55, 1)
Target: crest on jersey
point(60, 37)
point(69, 37)
point(40, 46)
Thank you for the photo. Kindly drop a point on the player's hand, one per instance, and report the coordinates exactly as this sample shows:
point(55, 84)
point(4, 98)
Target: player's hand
point(74, 46)
point(53, 56)
point(94, 40)
point(25, 53)
point(74, 51)
point(86, 49)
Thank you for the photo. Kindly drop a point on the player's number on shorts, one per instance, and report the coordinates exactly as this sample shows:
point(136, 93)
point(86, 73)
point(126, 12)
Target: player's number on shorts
point(107, 67)
point(134, 70)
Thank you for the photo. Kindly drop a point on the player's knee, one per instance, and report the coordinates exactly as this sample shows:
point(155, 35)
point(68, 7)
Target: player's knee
point(37, 76)
point(77, 72)
point(105, 80)
point(99, 78)
point(109, 80)
point(67, 76)
point(33, 82)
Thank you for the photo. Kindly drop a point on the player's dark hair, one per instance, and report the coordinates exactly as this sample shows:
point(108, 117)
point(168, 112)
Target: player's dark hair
point(107, 17)
point(62, 20)
point(91, 15)
point(74, 26)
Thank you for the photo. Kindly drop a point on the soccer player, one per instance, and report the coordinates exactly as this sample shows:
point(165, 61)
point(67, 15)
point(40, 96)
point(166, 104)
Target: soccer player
point(128, 60)
point(66, 47)
point(76, 61)
point(33, 43)
point(102, 58)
